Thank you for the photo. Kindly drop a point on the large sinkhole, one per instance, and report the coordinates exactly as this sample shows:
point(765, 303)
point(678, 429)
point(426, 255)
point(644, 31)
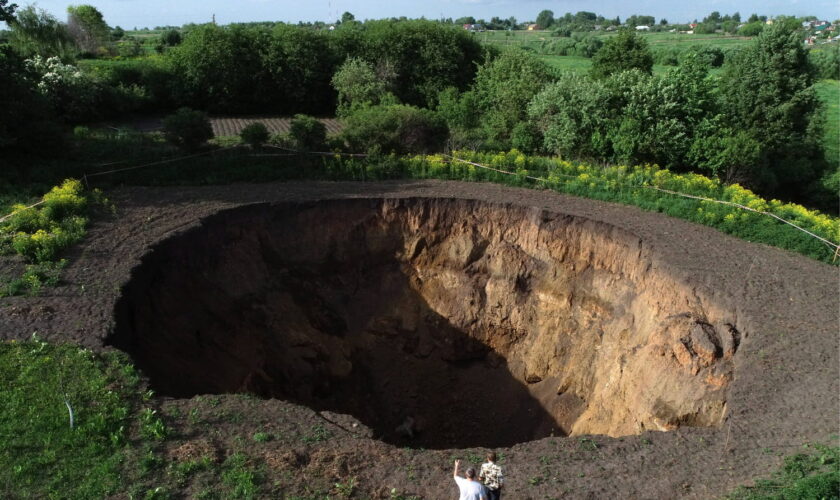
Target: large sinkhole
point(472, 323)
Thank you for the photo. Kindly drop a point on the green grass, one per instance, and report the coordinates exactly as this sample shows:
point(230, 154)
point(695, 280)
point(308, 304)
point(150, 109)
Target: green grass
point(41, 456)
point(655, 40)
point(583, 64)
point(814, 474)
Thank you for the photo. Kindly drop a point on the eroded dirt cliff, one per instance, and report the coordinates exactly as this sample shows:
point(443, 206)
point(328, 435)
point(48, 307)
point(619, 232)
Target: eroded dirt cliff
point(479, 324)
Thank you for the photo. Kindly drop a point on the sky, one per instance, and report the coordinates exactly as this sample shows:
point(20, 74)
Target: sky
point(150, 13)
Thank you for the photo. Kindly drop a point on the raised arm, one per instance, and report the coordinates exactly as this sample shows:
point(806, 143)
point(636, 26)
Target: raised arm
point(457, 466)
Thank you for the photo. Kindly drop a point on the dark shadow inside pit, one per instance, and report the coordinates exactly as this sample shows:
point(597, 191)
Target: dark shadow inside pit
point(295, 302)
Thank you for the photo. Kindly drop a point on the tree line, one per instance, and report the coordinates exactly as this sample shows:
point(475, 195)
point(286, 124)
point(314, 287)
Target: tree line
point(422, 86)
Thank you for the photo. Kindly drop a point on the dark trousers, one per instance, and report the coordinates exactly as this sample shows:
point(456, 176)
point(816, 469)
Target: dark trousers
point(494, 494)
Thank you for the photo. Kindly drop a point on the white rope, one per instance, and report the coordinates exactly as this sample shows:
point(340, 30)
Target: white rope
point(161, 162)
point(833, 246)
point(3, 219)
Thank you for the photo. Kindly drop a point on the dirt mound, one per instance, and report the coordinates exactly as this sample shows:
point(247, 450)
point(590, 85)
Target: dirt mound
point(584, 317)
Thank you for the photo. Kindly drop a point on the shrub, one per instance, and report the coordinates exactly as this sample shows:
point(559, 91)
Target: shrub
point(41, 233)
point(622, 52)
point(307, 133)
point(254, 134)
point(26, 122)
point(503, 88)
point(751, 29)
point(826, 60)
point(73, 95)
point(395, 128)
point(187, 128)
point(171, 38)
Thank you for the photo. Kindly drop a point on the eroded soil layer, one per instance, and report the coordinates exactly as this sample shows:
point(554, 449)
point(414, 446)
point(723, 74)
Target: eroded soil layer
point(440, 323)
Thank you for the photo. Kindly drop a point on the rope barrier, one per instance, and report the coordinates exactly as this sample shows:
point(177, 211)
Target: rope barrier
point(832, 246)
point(161, 162)
point(5, 217)
point(292, 152)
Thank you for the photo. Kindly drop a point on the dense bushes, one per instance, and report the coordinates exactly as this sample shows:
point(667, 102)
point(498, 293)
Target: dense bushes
point(826, 60)
point(187, 129)
point(395, 128)
point(27, 124)
point(623, 52)
point(307, 133)
point(767, 92)
point(41, 233)
point(288, 69)
point(577, 44)
point(503, 87)
point(254, 134)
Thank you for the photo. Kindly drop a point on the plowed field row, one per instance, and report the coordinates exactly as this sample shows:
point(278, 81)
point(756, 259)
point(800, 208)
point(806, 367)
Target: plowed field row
point(233, 126)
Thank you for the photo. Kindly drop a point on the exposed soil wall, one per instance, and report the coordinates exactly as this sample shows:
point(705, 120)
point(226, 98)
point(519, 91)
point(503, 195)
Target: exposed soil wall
point(442, 323)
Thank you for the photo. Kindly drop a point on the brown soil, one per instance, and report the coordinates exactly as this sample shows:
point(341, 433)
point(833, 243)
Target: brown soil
point(491, 316)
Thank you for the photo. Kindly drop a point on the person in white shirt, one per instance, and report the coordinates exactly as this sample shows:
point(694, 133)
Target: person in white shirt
point(469, 486)
point(491, 475)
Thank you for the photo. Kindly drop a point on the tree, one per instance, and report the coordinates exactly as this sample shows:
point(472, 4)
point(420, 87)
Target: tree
point(622, 52)
point(545, 19)
point(37, 32)
point(358, 84)
point(87, 27)
point(570, 114)
point(7, 11)
point(347, 18)
point(117, 33)
point(504, 86)
point(171, 38)
point(767, 90)
point(658, 118)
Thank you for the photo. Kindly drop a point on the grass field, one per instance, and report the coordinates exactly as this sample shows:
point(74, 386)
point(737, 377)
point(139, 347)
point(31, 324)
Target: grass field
point(582, 64)
point(656, 40)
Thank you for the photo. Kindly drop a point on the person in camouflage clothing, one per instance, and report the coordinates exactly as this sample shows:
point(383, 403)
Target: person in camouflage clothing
point(491, 476)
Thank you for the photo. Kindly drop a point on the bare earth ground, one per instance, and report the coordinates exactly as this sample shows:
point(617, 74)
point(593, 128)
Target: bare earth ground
point(784, 394)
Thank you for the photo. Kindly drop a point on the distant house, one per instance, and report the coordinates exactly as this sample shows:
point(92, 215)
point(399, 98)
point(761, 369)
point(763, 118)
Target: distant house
point(474, 28)
point(768, 22)
point(692, 25)
point(534, 27)
point(642, 28)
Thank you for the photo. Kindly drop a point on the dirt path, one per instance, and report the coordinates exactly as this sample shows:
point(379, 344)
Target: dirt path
point(784, 393)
